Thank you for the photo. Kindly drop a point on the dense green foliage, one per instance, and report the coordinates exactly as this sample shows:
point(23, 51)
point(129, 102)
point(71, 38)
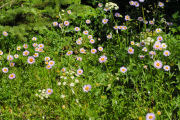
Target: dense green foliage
point(114, 95)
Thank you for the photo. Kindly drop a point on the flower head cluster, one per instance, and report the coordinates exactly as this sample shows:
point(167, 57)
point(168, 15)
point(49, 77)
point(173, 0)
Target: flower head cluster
point(112, 5)
point(45, 93)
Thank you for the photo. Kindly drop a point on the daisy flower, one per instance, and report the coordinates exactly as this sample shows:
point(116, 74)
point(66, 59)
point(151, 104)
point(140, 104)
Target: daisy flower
point(49, 91)
point(120, 27)
point(35, 44)
point(31, 60)
point(1, 52)
point(131, 50)
point(164, 46)
point(79, 58)
point(41, 50)
point(100, 4)
point(136, 4)
point(10, 57)
point(100, 48)
point(12, 76)
point(106, 9)
point(25, 46)
point(158, 30)
point(131, 3)
point(18, 48)
point(90, 36)
point(123, 69)
point(16, 56)
point(77, 29)
point(78, 42)
point(132, 43)
point(166, 53)
point(85, 32)
point(88, 21)
point(117, 14)
point(41, 46)
point(34, 39)
point(80, 38)
point(5, 70)
point(36, 55)
point(109, 36)
point(26, 53)
point(92, 41)
point(63, 69)
point(166, 67)
point(5, 33)
point(69, 53)
point(79, 71)
point(104, 21)
point(87, 88)
point(141, 56)
point(11, 64)
point(55, 24)
point(140, 19)
point(157, 45)
point(151, 22)
point(82, 50)
point(159, 112)
point(102, 59)
point(93, 51)
point(145, 21)
point(141, 0)
point(127, 17)
point(161, 4)
point(69, 11)
point(152, 53)
point(48, 67)
point(61, 25)
point(51, 63)
point(66, 23)
point(150, 116)
point(142, 43)
point(47, 58)
point(159, 38)
point(158, 64)
point(115, 27)
point(144, 49)
point(124, 28)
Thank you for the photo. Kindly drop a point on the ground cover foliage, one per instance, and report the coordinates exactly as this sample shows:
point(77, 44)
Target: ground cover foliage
point(93, 59)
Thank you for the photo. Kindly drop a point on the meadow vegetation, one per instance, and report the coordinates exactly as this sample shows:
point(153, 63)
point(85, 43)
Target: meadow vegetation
point(71, 59)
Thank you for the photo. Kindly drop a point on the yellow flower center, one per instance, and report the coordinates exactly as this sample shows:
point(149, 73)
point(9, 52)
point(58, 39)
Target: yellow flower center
point(31, 60)
point(157, 64)
point(87, 88)
point(49, 91)
point(150, 117)
point(102, 59)
point(130, 50)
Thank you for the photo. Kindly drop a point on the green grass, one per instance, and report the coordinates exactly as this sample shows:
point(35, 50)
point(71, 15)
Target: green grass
point(114, 95)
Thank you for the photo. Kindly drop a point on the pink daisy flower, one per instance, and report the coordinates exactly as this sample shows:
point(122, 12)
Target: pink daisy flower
point(31, 60)
point(123, 69)
point(131, 50)
point(102, 59)
point(87, 88)
point(12, 76)
point(158, 64)
point(49, 91)
point(79, 71)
